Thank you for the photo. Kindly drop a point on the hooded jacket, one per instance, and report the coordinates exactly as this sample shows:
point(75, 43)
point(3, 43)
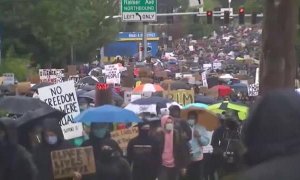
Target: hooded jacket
point(97, 143)
point(143, 153)
point(42, 153)
point(15, 162)
point(272, 138)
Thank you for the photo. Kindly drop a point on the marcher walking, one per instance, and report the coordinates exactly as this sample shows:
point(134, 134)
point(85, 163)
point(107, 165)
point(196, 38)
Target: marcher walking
point(15, 162)
point(143, 153)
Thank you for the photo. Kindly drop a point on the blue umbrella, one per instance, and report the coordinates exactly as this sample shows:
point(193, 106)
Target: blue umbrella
point(196, 105)
point(107, 114)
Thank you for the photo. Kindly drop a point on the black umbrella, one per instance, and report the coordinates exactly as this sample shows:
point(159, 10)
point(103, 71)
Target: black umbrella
point(20, 104)
point(205, 100)
point(38, 114)
point(40, 85)
point(88, 80)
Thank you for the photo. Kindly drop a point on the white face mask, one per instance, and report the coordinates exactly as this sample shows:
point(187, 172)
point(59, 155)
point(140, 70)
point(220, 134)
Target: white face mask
point(169, 127)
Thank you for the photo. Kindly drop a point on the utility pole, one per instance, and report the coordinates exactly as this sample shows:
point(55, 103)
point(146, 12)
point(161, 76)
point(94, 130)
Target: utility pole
point(145, 43)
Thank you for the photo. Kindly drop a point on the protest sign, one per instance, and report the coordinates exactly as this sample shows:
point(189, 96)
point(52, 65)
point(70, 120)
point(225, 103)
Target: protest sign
point(51, 75)
point(9, 78)
point(66, 162)
point(253, 89)
point(217, 65)
point(204, 79)
point(182, 97)
point(72, 70)
point(207, 67)
point(112, 73)
point(23, 88)
point(122, 137)
point(75, 78)
point(129, 96)
point(62, 96)
point(178, 75)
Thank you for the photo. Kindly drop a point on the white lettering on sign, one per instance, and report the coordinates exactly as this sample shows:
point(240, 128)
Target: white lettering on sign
point(141, 16)
point(62, 96)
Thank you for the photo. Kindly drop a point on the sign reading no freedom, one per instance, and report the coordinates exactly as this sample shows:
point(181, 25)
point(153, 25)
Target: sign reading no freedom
point(139, 10)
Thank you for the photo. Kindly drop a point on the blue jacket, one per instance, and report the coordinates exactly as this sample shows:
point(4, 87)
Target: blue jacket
point(197, 143)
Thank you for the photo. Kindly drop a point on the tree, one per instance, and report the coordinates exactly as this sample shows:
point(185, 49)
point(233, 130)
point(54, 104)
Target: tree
point(278, 63)
point(47, 29)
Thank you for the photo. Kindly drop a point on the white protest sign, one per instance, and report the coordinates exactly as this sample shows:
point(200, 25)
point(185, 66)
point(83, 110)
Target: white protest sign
point(191, 48)
point(9, 78)
point(129, 96)
point(204, 79)
point(253, 90)
point(75, 78)
point(217, 65)
point(178, 75)
point(207, 67)
point(112, 72)
point(62, 96)
point(51, 75)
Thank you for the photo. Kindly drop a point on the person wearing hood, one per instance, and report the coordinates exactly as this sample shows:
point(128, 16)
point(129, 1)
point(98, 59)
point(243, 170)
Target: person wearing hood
point(143, 153)
point(272, 138)
point(195, 170)
point(98, 137)
point(175, 151)
point(15, 162)
point(52, 140)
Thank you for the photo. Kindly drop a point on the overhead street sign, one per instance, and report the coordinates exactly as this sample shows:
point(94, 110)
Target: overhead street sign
point(139, 10)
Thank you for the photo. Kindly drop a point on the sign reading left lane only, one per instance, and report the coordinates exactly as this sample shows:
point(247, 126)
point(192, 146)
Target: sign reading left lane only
point(139, 10)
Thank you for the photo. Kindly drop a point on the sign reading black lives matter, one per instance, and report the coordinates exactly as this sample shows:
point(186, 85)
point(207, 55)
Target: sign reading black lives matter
point(63, 97)
point(66, 162)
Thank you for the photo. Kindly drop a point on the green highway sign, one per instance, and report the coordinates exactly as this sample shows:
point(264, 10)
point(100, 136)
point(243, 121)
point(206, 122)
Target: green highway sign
point(139, 10)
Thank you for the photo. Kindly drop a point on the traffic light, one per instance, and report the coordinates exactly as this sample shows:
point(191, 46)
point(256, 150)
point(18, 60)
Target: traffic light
point(209, 16)
point(254, 18)
point(242, 16)
point(142, 48)
point(226, 17)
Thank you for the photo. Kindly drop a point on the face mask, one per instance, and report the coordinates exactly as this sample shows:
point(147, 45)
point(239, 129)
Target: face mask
point(169, 127)
point(100, 133)
point(191, 122)
point(52, 140)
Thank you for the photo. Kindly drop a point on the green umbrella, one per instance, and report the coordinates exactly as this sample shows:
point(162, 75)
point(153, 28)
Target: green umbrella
point(226, 105)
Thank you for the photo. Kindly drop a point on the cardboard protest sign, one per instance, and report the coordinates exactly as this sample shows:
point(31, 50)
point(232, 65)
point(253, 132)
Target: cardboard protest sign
point(253, 89)
point(51, 75)
point(9, 78)
point(23, 87)
point(182, 97)
point(113, 74)
point(72, 70)
point(66, 162)
point(122, 137)
point(62, 96)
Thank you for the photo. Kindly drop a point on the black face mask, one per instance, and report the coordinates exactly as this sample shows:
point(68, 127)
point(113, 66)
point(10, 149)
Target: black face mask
point(144, 133)
point(106, 154)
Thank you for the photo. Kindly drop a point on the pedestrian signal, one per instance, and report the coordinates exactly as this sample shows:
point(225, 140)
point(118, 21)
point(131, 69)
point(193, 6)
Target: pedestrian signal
point(209, 15)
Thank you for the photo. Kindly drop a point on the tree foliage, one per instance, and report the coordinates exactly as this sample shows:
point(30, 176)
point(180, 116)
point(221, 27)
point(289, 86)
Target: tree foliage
point(48, 28)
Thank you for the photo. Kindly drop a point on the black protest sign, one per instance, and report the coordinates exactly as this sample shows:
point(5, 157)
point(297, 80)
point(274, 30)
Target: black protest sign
point(66, 162)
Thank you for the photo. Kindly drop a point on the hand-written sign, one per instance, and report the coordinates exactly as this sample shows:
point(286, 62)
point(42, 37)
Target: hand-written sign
point(63, 97)
point(122, 137)
point(51, 75)
point(113, 74)
point(9, 78)
point(182, 97)
point(66, 162)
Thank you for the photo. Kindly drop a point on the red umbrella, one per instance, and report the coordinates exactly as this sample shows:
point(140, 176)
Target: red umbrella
point(223, 90)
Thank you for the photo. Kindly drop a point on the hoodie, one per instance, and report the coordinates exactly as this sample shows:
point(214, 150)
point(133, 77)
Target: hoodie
point(42, 153)
point(16, 162)
point(197, 143)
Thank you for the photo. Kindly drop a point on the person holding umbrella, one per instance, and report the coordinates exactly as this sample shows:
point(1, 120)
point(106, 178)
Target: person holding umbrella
point(195, 170)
